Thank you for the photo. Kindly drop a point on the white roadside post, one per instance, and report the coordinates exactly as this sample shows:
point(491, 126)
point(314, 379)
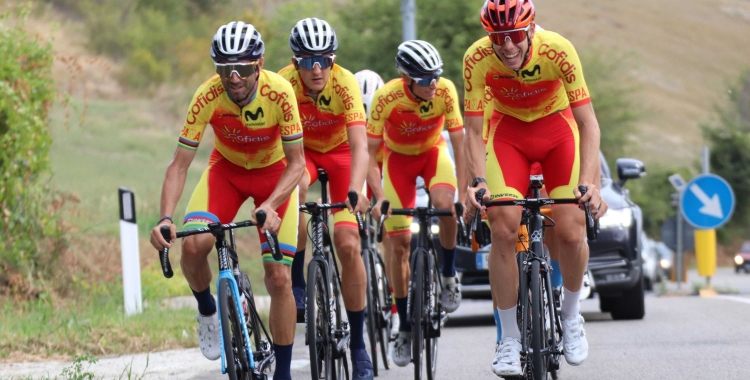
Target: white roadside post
point(131, 263)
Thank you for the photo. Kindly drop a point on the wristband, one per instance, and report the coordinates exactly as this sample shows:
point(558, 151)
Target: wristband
point(165, 218)
point(477, 180)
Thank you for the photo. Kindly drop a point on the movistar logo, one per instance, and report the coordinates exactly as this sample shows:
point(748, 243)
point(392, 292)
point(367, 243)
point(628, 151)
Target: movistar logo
point(324, 100)
point(254, 116)
point(533, 72)
point(426, 108)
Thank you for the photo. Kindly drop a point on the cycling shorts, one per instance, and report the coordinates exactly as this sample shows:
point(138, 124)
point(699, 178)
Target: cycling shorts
point(400, 173)
point(514, 145)
point(337, 163)
point(224, 187)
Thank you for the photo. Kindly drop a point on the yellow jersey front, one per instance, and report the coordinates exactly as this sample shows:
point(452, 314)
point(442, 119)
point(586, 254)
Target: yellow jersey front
point(249, 136)
point(325, 119)
point(410, 126)
point(551, 80)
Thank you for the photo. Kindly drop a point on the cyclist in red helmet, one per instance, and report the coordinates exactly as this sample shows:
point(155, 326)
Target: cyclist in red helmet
point(541, 112)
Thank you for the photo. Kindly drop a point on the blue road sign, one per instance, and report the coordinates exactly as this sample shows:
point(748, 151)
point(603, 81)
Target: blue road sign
point(707, 202)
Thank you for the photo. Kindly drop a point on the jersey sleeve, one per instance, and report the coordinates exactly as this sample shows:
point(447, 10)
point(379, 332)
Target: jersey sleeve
point(198, 115)
point(378, 116)
point(474, 81)
point(572, 74)
point(354, 108)
point(291, 128)
point(453, 120)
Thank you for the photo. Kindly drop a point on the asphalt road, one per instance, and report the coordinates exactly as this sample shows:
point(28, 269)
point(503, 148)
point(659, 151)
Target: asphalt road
point(681, 337)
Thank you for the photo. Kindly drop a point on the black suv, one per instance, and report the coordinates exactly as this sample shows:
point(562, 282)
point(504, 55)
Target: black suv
point(615, 263)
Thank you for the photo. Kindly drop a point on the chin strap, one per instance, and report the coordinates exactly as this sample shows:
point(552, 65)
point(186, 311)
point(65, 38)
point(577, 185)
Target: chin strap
point(411, 83)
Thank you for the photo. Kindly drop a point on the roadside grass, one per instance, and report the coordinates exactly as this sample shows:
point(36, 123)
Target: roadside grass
point(80, 371)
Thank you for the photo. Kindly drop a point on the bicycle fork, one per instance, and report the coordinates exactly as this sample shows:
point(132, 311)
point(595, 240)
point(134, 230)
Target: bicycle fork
point(227, 274)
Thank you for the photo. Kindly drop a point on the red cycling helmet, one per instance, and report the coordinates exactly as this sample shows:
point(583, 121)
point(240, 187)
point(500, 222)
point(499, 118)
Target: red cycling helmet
point(501, 15)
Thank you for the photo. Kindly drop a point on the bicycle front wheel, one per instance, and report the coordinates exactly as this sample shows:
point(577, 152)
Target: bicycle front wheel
point(417, 313)
point(318, 324)
point(433, 314)
point(538, 325)
point(235, 347)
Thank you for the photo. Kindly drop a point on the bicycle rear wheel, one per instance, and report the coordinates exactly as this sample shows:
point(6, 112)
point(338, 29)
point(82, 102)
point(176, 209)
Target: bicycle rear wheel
point(317, 323)
point(417, 313)
point(371, 309)
point(538, 329)
point(235, 349)
point(383, 317)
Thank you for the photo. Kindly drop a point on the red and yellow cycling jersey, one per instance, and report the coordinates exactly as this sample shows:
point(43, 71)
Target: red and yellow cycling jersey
point(338, 107)
point(409, 126)
point(251, 136)
point(551, 81)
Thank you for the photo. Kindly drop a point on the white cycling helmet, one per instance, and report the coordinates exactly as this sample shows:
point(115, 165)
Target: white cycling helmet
point(369, 81)
point(313, 36)
point(418, 58)
point(236, 40)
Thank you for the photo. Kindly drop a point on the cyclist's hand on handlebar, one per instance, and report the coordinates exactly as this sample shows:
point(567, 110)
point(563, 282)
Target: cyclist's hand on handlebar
point(593, 196)
point(602, 209)
point(375, 211)
point(273, 222)
point(362, 204)
point(471, 203)
point(157, 241)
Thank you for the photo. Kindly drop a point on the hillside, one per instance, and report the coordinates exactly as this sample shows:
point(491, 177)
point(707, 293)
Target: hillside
point(687, 51)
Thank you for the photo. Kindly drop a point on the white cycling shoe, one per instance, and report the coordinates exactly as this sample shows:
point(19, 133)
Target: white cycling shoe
point(450, 297)
point(575, 345)
point(507, 359)
point(402, 349)
point(395, 324)
point(209, 339)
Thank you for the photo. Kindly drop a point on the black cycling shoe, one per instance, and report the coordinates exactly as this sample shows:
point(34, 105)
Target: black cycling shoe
point(361, 365)
point(300, 296)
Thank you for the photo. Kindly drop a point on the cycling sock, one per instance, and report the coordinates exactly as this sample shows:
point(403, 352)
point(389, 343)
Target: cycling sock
point(556, 275)
point(449, 262)
point(509, 323)
point(570, 305)
point(393, 304)
point(356, 324)
point(206, 302)
point(283, 362)
point(404, 325)
point(498, 326)
point(298, 269)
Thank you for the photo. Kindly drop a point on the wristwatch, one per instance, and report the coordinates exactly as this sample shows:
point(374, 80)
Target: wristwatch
point(477, 180)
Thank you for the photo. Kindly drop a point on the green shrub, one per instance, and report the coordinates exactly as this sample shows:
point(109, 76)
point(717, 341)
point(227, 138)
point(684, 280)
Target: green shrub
point(29, 226)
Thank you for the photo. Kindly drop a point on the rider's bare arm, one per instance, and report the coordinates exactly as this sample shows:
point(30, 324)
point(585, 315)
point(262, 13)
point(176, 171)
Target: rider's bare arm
point(360, 158)
point(373, 172)
point(295, 157)
point(457, 140)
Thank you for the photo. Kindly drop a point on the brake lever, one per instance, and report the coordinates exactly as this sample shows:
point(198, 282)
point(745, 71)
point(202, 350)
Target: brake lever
point(591, 228)
point(353, 198)
point(166, 266)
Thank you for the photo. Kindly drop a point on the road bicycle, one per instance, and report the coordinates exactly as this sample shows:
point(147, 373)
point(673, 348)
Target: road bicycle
point(424, 309)
point(378, 308)
point(326, 333)
point(538, 316)
point(238, 317)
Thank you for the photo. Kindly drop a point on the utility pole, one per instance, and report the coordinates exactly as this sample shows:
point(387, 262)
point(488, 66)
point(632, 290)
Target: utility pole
point(409, 16)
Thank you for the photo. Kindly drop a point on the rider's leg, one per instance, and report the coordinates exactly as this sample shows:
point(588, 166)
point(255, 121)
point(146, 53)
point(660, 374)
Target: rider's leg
point(282, 316)
point(504, 266)
point(401, 272)
point(569, 245)
point(442, 198)
point(298, 265)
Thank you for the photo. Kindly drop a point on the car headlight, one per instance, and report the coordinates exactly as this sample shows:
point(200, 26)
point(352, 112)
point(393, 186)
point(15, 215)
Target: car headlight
point(414, 228)
point(435, 229)
point(616, 218)
point(738, 260)
point(664, 263)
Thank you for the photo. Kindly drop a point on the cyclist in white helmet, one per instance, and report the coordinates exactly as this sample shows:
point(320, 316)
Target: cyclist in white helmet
point(333, 119)
point(369, 82)
point(261, 158)
point(409, 115)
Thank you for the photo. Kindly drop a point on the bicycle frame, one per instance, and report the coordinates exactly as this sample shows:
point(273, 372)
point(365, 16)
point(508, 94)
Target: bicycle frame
point(227, 271)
